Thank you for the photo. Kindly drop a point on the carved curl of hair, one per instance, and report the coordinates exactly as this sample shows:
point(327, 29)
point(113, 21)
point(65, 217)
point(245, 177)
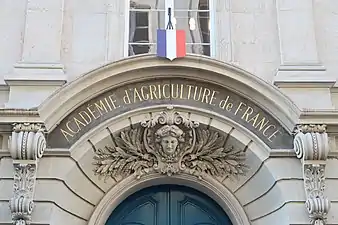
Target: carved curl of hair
point(169, 130)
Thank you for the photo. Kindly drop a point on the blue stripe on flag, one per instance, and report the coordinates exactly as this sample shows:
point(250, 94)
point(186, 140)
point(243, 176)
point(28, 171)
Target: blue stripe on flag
point(161, 43)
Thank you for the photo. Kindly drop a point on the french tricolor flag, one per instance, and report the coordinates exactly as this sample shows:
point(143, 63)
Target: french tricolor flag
point(171, 43)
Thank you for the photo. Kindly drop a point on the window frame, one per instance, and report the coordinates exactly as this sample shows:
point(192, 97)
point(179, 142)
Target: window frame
point(212, 12)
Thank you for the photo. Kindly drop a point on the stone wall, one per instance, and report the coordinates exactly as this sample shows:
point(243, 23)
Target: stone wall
point(288, 43)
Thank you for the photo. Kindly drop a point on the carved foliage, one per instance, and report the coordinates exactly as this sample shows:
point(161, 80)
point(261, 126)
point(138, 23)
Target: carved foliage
point(169, 143)
point(27, 145)
point(127, 156)
point(309, 128)
point(210, 156)
point(311, 146)
point(34, 127)
point(317, 204)
point(21, 204)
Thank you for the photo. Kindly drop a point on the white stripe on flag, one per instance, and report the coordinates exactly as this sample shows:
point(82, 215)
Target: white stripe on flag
point(171, 44)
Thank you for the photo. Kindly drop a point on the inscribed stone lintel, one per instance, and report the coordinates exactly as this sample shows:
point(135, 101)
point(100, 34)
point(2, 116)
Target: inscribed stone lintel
point(170, 92)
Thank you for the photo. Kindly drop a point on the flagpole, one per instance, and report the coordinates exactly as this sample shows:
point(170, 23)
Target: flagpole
point(169, 9)
point(171, 43)
point(169, 25)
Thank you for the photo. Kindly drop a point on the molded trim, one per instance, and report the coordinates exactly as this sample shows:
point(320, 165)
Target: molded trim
point(146, 67)
point(130, 185)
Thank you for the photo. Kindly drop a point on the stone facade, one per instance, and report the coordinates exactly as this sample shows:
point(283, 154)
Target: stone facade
point(266, 118)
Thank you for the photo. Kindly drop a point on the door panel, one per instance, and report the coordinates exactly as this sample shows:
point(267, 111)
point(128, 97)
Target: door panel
point(142, 208)
point(190, 207)
point(168, 205)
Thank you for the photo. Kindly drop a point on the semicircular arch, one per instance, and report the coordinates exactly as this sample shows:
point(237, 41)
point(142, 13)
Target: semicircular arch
point(270, 108)
point(130, 185)
point(231, 194)
point(141, 68)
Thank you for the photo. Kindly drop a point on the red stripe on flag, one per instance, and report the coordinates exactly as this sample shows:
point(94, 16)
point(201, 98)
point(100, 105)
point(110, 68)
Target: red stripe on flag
point(180, 43)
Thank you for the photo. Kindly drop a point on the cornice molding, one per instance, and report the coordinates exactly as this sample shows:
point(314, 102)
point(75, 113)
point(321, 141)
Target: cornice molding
point(18, 112)
point(149, 67)
point(8, 116)
point(304, 75)
point(324, 116)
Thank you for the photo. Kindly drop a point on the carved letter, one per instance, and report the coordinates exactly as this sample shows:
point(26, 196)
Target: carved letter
point(212, 98)
point(152, 90)
point(174, 93)
point(144, 96)
point(247, 113)
point(92, 111)
point(66, 134)
point(206, 95)
point(239, 107)
point(112, 101)
point(100, 106)
point(83, 117)
point(126, 98)
point(137, 95)
point(166, 91)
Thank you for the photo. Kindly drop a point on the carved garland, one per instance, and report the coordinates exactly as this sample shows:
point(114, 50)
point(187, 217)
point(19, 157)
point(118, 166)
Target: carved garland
point(169, 143)
point(27, 145)
point(311, 146)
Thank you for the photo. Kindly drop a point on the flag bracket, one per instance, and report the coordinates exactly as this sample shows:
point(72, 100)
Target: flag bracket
point(169, 25)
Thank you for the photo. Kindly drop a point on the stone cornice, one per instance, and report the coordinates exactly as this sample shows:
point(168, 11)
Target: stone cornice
point(10, 116)
point(18, 112)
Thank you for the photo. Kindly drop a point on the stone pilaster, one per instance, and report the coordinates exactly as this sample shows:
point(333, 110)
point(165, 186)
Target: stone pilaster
point(300, 64)
point(312, 147)
point(27, 145)
point(39, 71)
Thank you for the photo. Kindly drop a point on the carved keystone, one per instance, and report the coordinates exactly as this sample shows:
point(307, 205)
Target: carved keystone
point(311, 146)
point(27, 145)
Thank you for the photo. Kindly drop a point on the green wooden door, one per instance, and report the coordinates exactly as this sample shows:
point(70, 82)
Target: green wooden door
point(168, 205)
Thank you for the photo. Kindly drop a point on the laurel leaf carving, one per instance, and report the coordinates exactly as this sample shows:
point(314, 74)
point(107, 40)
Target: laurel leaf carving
point(127, 157)
point(197, 151)
point(210, 157)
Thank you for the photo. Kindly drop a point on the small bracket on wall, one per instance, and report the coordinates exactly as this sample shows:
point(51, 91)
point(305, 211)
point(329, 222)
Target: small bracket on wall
point(312, 148)
point(27, 145)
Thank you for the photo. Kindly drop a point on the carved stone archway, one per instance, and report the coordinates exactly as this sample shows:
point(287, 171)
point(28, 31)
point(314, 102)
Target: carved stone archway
point(208, 185)
point(197, 157)
point(169, 148)
point(150, 67)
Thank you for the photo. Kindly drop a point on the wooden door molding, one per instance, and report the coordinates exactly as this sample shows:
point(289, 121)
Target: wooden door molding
point(209, 185)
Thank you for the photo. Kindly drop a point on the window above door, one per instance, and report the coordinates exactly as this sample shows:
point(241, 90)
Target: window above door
point(144, 17)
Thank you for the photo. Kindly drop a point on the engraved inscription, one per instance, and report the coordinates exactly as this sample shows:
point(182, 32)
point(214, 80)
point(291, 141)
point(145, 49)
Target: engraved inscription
point(180, 92)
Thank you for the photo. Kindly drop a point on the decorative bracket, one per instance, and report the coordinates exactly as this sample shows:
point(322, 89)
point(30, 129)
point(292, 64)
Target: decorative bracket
point(27, 145)
point(311, 146)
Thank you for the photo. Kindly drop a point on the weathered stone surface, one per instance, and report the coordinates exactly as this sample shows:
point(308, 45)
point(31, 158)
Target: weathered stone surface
point(169, 92)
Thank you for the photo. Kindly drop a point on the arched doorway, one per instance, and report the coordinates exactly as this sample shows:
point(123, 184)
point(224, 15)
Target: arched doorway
point(226, 112)
point(168, 205)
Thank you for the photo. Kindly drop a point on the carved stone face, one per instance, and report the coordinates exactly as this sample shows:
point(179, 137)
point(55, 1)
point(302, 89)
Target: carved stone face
point(169, 144)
